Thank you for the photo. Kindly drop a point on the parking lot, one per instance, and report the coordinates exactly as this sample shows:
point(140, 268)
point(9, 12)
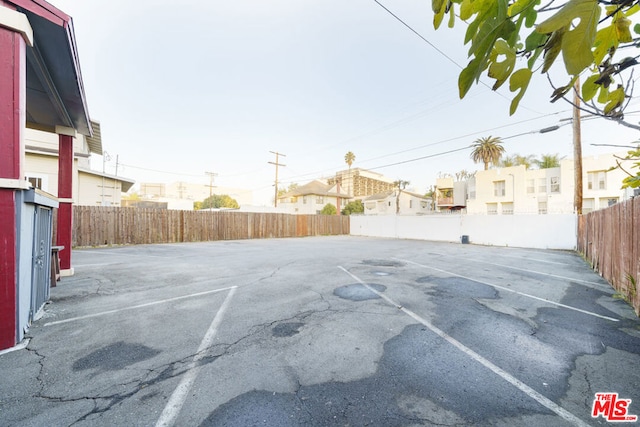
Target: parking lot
point(344, 331)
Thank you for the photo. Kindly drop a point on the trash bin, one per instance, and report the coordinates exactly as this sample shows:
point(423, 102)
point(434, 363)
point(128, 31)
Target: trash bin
point(464, 239)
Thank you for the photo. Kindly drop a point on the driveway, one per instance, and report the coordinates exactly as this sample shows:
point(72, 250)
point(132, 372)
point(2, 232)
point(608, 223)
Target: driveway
point(343, 331)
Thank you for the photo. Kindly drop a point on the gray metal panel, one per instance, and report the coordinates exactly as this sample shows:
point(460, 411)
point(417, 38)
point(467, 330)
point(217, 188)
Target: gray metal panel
point(25, 227)
point(41, 277)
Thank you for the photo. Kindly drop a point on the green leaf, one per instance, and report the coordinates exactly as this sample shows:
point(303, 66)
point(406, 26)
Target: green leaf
point(467, 9)
point(438, 17)
point(636, 28)
point(468, 75)
point(553, 48)
point(452, 17)
point(531, 16)
point(590, 88)
point(603, 95)
point(437, 5)
point(519, 81)
point(606, 38)
point(501, 70)
point(576, 43)
point(615, 100)
point(622, 25)
point(535, 40)
point(520, 5)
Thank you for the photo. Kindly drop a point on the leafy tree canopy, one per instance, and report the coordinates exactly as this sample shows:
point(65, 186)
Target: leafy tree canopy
point(510, 40)
point(354, 207)
point(631, 181)
point(219, 201)
point(548, 161)
point(291, 187)
point(329, 209)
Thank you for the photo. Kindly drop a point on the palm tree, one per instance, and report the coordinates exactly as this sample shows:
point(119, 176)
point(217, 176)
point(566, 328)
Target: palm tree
point(507, 162)
point(349, 158)
point(401, 185)
point(487, 150)
point(548, 161)
point(526, 161)
point(517, 160)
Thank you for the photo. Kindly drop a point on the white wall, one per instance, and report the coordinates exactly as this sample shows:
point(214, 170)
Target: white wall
point(526, 231)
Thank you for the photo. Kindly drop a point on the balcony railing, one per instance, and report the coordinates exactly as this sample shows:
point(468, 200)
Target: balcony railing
point(445, 201)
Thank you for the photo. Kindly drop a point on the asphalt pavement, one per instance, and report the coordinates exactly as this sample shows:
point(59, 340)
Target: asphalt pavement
point(325, 331)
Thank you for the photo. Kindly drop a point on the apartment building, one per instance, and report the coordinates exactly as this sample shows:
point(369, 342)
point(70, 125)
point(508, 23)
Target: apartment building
point(517, 190)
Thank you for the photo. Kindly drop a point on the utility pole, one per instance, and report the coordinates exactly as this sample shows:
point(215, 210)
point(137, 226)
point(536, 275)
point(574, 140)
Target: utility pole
point(276, 163)
point(211, 177)
point(577, 150)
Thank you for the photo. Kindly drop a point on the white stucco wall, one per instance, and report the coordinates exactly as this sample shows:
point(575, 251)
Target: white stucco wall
point(526, 231)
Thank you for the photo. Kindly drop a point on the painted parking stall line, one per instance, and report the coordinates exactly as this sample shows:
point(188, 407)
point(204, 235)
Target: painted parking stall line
point(557, 304)
point(544, 401)
point(588, 283)
point(135, 307)
point(179, 395)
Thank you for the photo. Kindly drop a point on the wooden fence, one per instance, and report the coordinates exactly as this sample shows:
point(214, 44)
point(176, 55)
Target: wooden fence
point(610, 240)
point(98, 226)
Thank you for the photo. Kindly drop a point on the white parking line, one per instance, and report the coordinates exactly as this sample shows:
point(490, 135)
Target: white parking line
point(179, 395)
point(571, 279)
point(549, 404)
point(511, 290)
point(164, 301)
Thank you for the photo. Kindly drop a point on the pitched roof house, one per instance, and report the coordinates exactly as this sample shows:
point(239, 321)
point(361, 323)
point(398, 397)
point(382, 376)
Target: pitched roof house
point(312, 197)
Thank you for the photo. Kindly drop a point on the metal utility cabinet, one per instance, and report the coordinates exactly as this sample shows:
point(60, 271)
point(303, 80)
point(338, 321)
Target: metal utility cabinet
point(35, 232)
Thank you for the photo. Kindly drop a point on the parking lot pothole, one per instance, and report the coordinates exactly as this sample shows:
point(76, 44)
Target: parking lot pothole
point(284, 330)
point(358, 292)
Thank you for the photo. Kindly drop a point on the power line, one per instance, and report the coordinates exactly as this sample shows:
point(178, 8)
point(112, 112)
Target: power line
point(439, 51)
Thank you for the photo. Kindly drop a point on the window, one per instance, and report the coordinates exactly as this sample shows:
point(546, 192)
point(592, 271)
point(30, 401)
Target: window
point(319, 200)
point(612, 201)
point(492, 208)
point(507, 209)
point(542, 185)
point(410, 204)
point(531, 186)
point(498, 188)
point(597, 180)
point(587, 205)
point(542, 207)
point(472, 189)
point(555, 184)
point(304, 200)
point(35, 182)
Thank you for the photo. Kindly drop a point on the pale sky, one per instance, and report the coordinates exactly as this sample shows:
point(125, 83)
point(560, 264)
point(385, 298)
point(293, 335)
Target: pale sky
point(185, 87)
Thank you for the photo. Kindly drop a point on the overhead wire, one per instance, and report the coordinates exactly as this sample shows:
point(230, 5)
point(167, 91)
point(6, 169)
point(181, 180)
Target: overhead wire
point(441, 52)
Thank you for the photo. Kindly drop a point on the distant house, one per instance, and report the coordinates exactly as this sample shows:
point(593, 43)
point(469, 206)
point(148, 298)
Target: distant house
point(90, 187)
point(385, 204)
point(312, 197)
point(450, 195)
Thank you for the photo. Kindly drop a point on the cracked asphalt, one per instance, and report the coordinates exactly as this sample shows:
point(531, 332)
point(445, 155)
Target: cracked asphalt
point(324, 331)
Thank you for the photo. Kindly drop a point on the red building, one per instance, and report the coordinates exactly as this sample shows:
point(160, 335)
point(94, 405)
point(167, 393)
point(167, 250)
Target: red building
point(40, 87)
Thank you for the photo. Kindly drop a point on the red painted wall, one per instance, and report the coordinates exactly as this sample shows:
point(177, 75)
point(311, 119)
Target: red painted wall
point(12, 121)
point(65, 191)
